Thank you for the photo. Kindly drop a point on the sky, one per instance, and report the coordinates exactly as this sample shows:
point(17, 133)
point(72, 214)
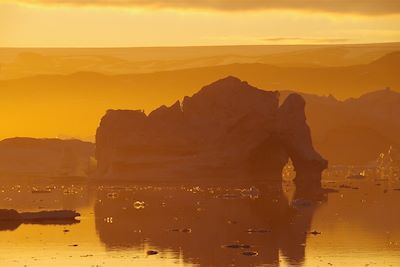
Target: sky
point(130, 23)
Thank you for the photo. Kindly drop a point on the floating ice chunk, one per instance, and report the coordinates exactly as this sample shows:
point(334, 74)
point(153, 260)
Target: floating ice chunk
point(11, 215)
point(250, 253)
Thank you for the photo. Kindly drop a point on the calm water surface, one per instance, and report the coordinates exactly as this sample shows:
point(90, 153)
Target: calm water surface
point(252, 225)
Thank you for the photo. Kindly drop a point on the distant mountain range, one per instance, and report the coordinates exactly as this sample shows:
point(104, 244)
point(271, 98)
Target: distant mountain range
point(72, 104)
point(24, 62)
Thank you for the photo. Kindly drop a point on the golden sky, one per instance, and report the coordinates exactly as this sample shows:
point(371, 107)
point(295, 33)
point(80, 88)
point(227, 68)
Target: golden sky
point(105, 23)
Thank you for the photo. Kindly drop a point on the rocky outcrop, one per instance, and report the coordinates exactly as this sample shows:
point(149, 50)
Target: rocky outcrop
point(229, 129)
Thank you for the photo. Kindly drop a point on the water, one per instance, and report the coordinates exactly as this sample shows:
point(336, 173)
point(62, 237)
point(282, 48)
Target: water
point(192, 225)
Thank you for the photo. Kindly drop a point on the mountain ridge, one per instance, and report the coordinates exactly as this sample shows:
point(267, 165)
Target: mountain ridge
point(381, 74)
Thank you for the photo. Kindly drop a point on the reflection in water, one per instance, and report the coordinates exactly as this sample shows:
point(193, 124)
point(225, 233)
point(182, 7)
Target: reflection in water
point(190, 225)
point(209, 226)
point(13, 225)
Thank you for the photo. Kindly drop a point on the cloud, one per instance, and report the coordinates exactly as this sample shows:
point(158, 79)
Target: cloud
point(307, 40)
point(365, 7)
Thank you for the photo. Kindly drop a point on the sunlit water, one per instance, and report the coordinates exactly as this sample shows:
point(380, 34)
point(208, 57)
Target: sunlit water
point(205, 225)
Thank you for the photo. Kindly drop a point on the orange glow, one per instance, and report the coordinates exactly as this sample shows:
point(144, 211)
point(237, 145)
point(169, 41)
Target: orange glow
point(59, 25)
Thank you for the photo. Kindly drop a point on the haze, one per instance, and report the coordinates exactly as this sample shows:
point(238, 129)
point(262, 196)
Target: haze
point(71, 23)
point(199, 133)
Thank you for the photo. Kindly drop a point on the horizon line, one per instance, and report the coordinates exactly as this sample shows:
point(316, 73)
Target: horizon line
point(195, 46)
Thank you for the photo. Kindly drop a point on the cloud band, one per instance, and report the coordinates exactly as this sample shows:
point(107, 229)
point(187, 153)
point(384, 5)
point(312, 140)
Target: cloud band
point(366, 7)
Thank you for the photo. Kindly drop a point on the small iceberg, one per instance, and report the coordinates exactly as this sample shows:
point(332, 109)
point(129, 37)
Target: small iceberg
point(258, 230)
point(250, 253)
point(55, 215)
point(152, 252)
point(237, 246)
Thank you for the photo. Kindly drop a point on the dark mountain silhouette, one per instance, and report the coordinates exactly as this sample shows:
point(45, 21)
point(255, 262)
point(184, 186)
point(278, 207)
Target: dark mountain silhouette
point(390, 59)
point(228, 129)
point(49, 157)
